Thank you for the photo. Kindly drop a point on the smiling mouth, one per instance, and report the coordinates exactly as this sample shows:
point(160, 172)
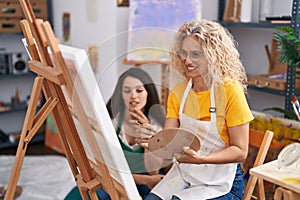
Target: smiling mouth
point(191, 67)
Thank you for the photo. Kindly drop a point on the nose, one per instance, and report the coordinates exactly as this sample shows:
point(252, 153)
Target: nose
point(134, 94)
point(187, 60)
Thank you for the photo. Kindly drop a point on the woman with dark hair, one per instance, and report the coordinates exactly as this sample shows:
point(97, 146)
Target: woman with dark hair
point(117, 105)
point(136, 113)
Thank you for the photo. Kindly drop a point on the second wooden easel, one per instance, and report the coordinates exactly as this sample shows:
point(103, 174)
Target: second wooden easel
point(88, 175)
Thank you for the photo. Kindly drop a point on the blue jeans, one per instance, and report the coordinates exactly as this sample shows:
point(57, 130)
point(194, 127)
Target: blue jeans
point(237, 189)
point(235, 193)
point(102, 195)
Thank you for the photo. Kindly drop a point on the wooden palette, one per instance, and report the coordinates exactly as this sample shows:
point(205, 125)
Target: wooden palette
point(167, 142)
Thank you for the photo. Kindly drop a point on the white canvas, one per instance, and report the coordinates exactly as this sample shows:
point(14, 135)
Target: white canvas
point(105, 145)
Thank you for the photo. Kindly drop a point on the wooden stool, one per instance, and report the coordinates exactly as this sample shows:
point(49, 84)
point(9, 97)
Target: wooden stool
point(284, 194)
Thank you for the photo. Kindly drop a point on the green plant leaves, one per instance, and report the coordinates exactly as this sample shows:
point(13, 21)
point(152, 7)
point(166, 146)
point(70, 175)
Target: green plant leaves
point(289, 114)
point(288, 45)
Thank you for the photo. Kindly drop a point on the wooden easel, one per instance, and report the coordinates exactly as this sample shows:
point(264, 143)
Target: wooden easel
point(89, 175)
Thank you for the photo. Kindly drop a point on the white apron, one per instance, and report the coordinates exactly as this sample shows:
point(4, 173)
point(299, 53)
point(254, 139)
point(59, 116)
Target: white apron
point(198, 181)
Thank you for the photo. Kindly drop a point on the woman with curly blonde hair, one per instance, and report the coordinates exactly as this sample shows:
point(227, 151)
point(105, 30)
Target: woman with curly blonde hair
point(210, 102)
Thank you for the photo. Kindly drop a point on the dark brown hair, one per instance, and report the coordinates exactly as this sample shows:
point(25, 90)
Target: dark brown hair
point(153, 108)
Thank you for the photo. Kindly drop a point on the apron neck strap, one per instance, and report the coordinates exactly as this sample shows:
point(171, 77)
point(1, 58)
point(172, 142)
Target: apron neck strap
point(212, 109)
point(185, 94)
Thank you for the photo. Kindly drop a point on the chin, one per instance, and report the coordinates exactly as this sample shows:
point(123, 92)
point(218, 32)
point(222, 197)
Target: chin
point(192, 74)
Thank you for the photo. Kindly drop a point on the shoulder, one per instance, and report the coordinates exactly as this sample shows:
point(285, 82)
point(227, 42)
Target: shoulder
point(232, 85)
point(180, 86)
point(233, 88)
point(178, 89)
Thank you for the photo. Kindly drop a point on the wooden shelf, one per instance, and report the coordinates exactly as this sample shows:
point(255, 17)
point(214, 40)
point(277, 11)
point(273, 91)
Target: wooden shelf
point(272, 91)
point(252, 24)
point(13, 76)
point(141, 62)
point(8, 108)
point(36, 139)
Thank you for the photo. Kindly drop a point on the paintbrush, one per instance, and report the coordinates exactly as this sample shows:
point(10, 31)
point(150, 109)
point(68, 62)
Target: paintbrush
point(296, 105)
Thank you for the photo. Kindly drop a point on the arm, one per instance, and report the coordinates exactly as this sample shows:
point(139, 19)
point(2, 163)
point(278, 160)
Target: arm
point(171, 123)
point(236, 152)
point(149, 180)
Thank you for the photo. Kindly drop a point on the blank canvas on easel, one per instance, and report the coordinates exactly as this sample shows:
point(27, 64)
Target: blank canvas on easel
point(106, 147)
point(73, 97)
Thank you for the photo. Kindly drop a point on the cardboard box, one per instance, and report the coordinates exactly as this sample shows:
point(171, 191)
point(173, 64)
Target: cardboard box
point(276, 78)
point(269, 81)
point(12, 8)
point(10, 25)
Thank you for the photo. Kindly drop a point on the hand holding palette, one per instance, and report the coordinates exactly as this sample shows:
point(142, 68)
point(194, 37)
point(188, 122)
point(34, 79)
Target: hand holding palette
point(168, 142)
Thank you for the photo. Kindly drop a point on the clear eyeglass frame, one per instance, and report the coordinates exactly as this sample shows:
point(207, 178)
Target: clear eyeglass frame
point(193, 55)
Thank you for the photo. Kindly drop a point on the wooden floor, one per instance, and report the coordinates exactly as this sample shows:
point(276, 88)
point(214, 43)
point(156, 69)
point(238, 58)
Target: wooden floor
point(33, 149)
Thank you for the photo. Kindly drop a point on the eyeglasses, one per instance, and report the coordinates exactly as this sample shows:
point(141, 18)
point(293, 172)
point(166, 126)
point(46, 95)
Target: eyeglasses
point(193, 55)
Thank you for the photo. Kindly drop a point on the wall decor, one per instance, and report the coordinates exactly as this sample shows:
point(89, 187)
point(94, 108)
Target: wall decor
point(123, 2)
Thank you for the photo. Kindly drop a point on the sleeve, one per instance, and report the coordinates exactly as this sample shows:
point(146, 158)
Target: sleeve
point(172, 106)
point(237, 109)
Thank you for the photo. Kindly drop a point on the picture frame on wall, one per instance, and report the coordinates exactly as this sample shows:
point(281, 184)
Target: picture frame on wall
point(123, 2)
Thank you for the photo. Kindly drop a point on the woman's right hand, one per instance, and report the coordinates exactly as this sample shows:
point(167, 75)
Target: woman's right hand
point(143, 133)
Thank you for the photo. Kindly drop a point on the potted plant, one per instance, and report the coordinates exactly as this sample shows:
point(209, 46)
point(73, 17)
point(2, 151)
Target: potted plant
point(288, 46)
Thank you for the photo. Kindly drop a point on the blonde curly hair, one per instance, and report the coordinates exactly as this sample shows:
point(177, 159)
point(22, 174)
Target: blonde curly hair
point(218, 47)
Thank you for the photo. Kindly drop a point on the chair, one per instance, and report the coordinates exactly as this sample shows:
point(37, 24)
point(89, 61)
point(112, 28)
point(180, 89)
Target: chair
point(263, 142)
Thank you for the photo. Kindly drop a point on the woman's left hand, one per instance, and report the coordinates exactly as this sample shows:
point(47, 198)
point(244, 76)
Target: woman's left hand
point(188, 156)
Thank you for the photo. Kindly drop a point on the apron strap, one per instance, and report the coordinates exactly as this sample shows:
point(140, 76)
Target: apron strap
point(185, 94)
point(212, 109)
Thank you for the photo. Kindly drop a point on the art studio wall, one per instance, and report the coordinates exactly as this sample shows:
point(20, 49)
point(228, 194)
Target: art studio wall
point(105, 24)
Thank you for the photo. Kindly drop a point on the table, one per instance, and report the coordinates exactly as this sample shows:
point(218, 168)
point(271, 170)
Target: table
point(288, 178)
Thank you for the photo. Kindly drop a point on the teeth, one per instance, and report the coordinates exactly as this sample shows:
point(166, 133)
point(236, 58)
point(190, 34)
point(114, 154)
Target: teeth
point(133, 103)
point(191, 68)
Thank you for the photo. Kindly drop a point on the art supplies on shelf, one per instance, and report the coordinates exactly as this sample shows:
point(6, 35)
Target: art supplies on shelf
point(296, 105)
point(279, 19)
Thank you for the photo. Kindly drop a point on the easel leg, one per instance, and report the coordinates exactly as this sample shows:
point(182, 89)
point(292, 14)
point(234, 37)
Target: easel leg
point(16, 170)
point(84, 194)
point(22, 147)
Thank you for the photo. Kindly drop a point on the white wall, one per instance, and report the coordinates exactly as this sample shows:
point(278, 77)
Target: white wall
point(110, 32)
point(92, 23)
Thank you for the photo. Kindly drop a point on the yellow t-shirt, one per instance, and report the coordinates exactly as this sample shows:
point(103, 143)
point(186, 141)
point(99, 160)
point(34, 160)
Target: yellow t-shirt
point(231, 106)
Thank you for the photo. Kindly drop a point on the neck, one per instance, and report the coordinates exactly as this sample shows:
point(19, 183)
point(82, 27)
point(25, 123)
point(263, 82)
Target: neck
point(199, 84)
point(126, 115)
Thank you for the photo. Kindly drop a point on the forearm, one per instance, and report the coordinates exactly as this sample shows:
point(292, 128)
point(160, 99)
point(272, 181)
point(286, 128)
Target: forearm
point(141, 179)
point(149, 180)
point(236, 152)
point(231, 154)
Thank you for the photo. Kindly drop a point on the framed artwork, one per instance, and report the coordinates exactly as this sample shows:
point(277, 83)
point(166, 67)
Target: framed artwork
point(151, 27)
point(123, 2)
